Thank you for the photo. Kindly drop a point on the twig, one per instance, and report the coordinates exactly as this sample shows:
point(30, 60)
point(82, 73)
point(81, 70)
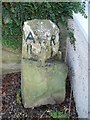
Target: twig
point(43, 113)
point(70, 102)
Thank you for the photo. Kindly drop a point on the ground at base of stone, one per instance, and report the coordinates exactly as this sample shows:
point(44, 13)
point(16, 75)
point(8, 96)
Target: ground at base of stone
point(12, 109)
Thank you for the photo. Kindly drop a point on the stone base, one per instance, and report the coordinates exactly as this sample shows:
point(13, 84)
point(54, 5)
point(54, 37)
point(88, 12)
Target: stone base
point(43, 85)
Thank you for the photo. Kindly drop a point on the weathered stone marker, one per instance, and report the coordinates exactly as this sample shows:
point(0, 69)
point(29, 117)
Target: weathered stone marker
point(43, 77)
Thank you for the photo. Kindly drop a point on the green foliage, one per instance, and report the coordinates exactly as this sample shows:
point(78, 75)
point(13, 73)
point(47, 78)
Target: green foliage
point(72, 38)
point(18, 97)
point(59, 115)
point(14, 15)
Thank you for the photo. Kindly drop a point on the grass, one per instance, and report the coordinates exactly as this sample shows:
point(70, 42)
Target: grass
point(11, 36)
point(11, 43)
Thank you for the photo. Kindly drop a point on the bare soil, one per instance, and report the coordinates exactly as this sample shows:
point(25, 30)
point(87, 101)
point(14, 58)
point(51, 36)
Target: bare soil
point(13, 110)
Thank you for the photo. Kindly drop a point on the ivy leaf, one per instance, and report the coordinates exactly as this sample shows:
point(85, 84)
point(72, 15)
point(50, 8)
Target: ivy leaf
point(56, 12)
point(72, 39)
point(59, 115)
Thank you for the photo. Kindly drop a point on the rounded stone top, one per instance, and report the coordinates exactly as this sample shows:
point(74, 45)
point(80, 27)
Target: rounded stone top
point(43, 37)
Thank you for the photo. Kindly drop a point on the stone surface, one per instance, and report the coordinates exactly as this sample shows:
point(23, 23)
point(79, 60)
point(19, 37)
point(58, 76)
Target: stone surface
point(11, 61)
point(43, 85)
point(78, 66)
point(43, 75)
point(40, 39)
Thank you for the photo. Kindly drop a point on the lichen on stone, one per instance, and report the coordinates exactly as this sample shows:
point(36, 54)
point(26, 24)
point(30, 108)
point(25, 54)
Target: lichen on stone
point(41, 39)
